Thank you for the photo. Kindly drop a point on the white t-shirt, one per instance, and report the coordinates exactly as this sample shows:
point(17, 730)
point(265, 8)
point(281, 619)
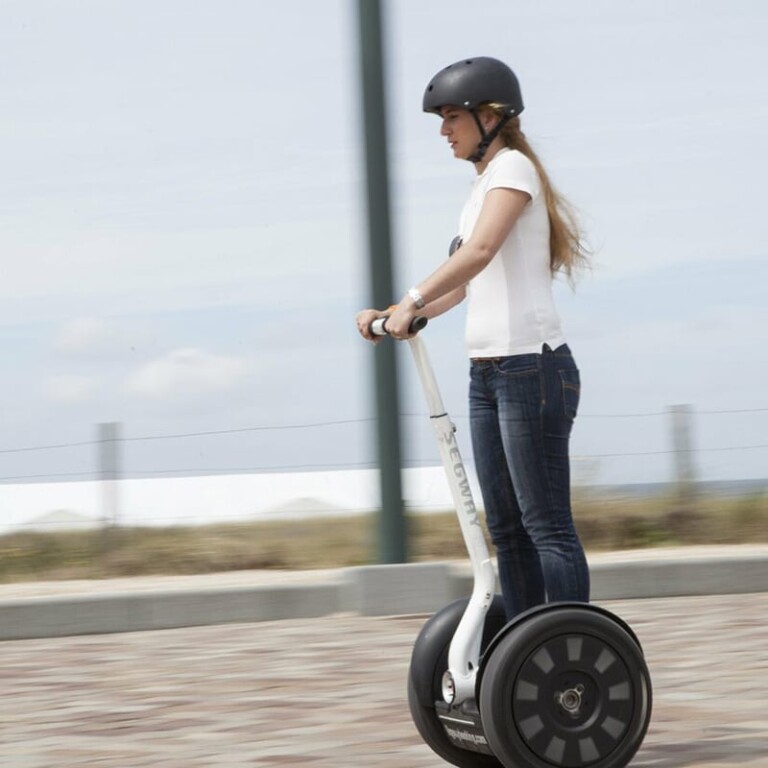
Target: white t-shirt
point(511, 310)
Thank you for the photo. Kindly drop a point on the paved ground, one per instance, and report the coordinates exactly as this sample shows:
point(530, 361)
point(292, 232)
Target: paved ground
point(330, 693)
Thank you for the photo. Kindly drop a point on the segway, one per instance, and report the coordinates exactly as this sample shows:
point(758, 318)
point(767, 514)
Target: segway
point(563, 684)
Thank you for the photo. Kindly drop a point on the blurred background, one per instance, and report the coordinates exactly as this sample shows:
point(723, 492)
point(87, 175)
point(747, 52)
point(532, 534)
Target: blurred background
point(184, 249)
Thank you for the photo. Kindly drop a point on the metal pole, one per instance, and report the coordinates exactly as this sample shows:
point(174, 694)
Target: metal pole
point(109, 434)
point(682, 447)
point(392, 533)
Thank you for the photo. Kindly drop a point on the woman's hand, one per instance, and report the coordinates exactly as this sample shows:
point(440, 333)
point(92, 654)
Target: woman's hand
point(400, 320)
point(364, 320)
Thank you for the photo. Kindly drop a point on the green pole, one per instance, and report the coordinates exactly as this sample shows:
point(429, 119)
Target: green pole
point(392, 534)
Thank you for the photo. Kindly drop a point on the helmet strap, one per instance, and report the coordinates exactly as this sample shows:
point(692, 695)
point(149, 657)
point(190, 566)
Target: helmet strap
point(486, 138)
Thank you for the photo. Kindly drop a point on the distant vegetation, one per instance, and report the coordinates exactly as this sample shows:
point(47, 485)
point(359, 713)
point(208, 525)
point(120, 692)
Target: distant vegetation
point(604, 524)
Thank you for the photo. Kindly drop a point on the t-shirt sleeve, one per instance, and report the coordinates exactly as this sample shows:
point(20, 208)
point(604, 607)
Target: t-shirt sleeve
point(515, 171)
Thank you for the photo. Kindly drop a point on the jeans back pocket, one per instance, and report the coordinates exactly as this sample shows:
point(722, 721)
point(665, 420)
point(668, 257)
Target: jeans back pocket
point(571, 386)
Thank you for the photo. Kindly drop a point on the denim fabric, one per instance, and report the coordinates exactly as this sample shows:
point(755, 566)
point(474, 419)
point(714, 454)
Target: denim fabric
point(521, 413)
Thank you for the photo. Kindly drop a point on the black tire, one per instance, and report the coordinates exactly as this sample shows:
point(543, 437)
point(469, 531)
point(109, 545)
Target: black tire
point(568, 688)
point(428, 663)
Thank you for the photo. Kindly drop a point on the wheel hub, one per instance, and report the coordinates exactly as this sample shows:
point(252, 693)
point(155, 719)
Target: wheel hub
point(575, 696)
point(570, 699)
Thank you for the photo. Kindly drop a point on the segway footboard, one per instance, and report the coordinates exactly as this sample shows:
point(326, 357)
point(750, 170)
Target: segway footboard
point(455, 733)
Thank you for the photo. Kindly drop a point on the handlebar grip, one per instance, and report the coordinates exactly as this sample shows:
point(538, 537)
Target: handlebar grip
point(379, 327)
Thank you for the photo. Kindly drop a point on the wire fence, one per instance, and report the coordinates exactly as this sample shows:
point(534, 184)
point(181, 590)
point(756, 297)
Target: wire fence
point(178, 456)
point(54, 476)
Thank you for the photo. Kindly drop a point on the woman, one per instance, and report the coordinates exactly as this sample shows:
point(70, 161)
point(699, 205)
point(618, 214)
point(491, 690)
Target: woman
point(515, 234)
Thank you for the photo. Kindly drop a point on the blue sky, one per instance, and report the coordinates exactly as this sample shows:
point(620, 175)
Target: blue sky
point(183, 240)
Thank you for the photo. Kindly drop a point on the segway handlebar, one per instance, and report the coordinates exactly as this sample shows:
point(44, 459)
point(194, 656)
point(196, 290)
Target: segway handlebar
point(379, 327)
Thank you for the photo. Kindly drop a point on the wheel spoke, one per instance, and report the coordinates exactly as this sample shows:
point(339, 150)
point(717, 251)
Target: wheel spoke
point(619, 692)
point(543, 660)
point(555, 750)
point(604, 660)
point(526, 691)
point(613, 727)
point(531, 726)
point(588, 750)
point(575, 644)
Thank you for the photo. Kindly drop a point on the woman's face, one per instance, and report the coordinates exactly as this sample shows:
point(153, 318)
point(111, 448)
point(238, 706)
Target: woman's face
point(460, 128)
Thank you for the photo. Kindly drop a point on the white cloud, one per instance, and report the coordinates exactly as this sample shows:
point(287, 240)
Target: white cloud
point(71, 389)
point(185, 373)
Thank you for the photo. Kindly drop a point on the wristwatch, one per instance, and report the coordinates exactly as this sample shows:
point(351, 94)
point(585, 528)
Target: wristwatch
point(418, 299)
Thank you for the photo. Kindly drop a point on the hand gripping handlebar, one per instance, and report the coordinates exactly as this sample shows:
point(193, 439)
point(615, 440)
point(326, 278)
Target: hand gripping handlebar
point(379, 327)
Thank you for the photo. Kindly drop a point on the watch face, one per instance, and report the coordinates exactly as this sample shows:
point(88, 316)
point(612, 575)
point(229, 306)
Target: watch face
point(456, 243)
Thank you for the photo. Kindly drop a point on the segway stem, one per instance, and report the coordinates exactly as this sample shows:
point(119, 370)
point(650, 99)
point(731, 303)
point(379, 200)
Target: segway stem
point(464, 654)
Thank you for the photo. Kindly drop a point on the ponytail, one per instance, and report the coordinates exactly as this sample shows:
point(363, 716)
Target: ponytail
point(567, 251)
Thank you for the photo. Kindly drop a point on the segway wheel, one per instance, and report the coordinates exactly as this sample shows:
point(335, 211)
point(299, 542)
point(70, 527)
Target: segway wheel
point(568, 687)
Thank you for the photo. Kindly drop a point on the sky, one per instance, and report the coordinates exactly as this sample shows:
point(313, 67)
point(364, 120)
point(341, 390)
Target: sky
point(183, 240)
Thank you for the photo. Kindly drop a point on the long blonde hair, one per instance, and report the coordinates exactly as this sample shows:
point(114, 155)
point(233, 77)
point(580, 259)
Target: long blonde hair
point(568, 252)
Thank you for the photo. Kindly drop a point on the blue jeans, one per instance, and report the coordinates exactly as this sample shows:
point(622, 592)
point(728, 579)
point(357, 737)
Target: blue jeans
point(521, 411)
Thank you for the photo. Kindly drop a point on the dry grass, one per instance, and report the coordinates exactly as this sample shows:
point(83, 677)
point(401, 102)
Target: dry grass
point(604, 523)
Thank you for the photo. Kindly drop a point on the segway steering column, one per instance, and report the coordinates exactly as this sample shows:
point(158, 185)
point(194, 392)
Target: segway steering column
point(464, 654)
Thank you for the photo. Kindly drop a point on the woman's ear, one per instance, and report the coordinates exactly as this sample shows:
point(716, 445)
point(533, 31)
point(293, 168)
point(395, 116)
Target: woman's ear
point(488, 119)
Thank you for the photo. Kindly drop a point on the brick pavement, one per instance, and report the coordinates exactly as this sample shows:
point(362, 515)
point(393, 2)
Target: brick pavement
point(330, 693)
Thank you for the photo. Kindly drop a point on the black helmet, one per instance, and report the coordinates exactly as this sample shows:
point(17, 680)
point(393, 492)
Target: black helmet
point(471, 82)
